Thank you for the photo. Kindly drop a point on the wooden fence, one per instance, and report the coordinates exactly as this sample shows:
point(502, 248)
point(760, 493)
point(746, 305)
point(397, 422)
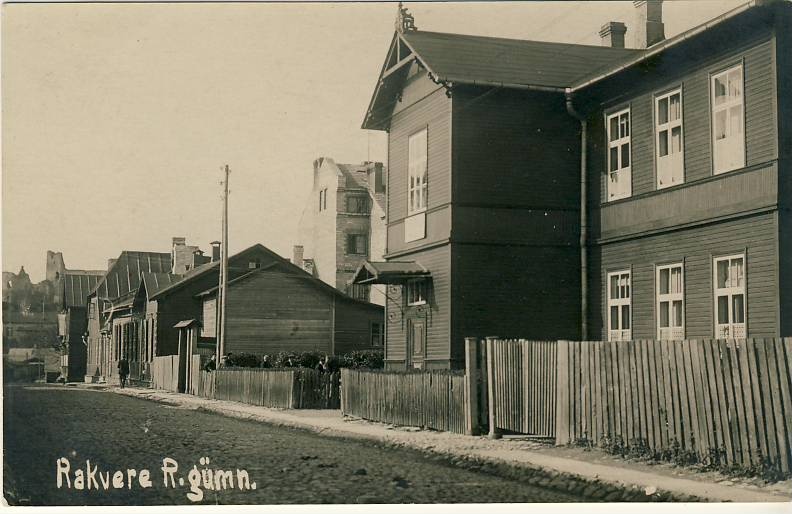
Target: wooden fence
point(298, 388)
point(432, 399)
point(165, 373)
point(729, 398)
point(524, 385)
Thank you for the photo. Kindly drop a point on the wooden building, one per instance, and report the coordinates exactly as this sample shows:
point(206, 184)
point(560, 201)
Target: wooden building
point(275, 308)
point(518, 233)
point(302, 304)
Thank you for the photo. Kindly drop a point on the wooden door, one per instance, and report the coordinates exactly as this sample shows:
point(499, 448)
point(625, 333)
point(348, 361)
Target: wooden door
point(416, 343)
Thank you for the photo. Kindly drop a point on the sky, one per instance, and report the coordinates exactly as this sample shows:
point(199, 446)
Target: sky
point(117, 118)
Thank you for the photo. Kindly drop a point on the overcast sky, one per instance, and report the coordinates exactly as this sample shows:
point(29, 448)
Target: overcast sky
point(117, 118)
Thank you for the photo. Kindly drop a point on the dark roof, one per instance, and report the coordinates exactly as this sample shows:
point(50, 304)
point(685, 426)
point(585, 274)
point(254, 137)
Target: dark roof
point(77, 286)
point(156, 282)
point(206, 268)
point(469, 59)
point(290, 270)
point(125, 274)
point(486, 61)
point(388, 272)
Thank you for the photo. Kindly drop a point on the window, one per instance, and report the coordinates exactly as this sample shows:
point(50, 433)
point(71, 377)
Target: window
point(619, 306)
point(670, 302)
point(728, 132)
point(255, 263)
point(91, 310)
point(358, 291)
point(668, 136)
point(357, 204)
point(416, 292)
point(619, 179)
point(357, 244)
point(729, 288)
point(323, 199)
point(377, 334)
point(417, 167)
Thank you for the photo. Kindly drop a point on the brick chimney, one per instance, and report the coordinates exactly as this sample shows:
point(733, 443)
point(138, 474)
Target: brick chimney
point(648, 23)
point(612, 34)
point(298, 256)
point(215, 250)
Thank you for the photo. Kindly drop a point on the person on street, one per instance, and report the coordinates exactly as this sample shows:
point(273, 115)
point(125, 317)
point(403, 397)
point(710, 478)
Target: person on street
point(211, 364)
point(123, 371)
point(265, 362)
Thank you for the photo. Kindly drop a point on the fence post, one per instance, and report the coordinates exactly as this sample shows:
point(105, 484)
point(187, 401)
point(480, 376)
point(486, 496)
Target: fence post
point(471, 387)
point(493, 431)
point(562, 394)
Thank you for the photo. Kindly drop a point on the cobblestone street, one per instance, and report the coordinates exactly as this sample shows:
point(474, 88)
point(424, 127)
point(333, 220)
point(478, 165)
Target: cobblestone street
point(113, 432)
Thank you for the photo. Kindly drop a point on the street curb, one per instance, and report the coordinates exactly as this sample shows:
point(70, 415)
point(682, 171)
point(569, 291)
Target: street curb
point(594, 488)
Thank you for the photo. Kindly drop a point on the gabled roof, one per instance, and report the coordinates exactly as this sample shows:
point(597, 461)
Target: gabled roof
point(489, 61)
point(77, 286)
point(200, 271)
point(389, 272)
point(125, 274)
point(156, 282)
point(303, 275)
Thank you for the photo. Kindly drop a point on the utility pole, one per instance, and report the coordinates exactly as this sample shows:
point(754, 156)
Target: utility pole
point(221, 297)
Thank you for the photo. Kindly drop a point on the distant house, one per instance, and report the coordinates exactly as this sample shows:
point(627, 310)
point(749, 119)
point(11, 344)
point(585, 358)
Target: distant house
point(343, 224)
point(276, 309)
point(110, 309)
point(302, 303)
point(673, 223)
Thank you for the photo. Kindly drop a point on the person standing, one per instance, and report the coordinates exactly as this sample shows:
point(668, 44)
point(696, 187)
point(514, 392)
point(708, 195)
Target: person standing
point(123, 371)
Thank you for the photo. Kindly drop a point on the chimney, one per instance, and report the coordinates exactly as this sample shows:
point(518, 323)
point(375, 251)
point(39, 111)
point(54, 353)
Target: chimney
point(648, 23)
point(179, 241)
point(110, 263)
point(612, 34)
point(215, 250)
point(298, 256)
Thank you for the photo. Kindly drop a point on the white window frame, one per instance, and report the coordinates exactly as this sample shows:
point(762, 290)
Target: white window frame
point(619, 179)
point(728, 152)
point(415, 292)
point(623, 298)
point(675, 329)
point(418, 171)
point(671, 166)
point(734, 286)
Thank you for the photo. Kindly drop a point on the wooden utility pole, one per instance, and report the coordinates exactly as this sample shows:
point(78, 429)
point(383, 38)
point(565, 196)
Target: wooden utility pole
point(220, 304)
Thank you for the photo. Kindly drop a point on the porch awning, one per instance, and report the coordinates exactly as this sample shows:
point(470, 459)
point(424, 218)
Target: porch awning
point(389, 272)
point(185, 323)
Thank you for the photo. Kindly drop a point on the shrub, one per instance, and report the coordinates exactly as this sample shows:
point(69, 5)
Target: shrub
point(370, 359)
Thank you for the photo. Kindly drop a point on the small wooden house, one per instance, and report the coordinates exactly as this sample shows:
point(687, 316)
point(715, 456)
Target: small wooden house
point(275, 309)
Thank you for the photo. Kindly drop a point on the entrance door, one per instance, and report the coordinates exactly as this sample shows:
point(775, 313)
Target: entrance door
point(416, 343)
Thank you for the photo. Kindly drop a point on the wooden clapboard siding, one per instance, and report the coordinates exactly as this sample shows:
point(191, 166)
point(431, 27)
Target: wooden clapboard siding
point(352, 325)
point(689, 69)
point(275, 310)
point(514, 149)
point(754, 235)
point(436, 313)
point(434, 113)
point(511, 291)
point(784, 118)
point(727, 398)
